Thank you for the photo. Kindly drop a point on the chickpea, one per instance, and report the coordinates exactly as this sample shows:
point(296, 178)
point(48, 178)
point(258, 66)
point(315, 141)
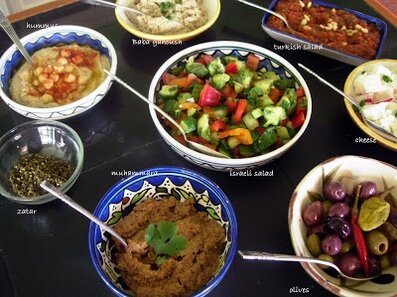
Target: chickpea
point(66, 53)
point(69, 78)
point(48, 84)
point(42, 78)
point(36, 82)
point(62, 61)
point(59, 69)
point(39, 70)
point(48, 69)
point(68, 68)
point(54, 77)
point(78, 59)
point(46, 98)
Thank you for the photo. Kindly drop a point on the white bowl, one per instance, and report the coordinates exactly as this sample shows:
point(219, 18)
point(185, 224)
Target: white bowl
point(51, 37)
point(351, 170)
point(270, 60)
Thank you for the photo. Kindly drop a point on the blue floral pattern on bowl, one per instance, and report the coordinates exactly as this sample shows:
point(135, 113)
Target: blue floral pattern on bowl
point(159, 183)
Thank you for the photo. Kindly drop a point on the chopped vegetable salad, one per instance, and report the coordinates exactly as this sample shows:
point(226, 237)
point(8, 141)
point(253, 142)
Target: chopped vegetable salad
point(231, 105)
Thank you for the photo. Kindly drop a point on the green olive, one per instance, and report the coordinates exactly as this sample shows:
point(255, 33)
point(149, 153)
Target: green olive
point(314, 245)
point(347, 246)
point(326, 206)
point(385, 261)
point(325, 257)
point(377, 242)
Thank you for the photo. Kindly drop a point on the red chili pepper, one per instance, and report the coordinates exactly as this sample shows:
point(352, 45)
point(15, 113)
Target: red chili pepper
point(358, 235)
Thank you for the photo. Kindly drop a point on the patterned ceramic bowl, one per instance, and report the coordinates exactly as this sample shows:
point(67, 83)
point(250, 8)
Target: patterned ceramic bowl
point(53, 36)
point(212, 9)
point(350, 170)
point(268, 61)
point(159, 183)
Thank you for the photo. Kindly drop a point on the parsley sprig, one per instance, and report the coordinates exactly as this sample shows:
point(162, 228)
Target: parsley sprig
point(167, 9)
point(164, 240)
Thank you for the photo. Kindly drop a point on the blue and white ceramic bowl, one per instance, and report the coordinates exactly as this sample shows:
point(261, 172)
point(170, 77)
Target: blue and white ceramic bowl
point(51, 37)
point(269, 61)
point(159, 183)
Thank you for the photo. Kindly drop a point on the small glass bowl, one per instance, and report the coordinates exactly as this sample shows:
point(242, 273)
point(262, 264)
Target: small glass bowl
point(49, 138)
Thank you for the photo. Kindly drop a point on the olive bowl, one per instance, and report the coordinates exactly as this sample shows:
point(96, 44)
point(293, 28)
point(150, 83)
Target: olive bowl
point(350, 170)
point(49, 138)
point(159, 183)
point(51, 37)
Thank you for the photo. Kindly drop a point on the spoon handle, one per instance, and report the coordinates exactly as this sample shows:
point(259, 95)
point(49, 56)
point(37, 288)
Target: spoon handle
point(111, 5)
point(50, 188)
point(7, 27)
point(351, 100)
point(162, 112)
point(265, 256)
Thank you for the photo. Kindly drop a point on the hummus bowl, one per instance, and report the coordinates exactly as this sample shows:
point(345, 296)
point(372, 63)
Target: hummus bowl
point(53, 37)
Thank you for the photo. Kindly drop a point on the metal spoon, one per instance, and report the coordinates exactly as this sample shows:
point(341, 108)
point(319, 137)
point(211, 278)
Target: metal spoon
point(111, 5)
point(193, 145)
point(7, 27)
point(371, 124)
point(264, 256)
point(267, 10)
point(50, 188)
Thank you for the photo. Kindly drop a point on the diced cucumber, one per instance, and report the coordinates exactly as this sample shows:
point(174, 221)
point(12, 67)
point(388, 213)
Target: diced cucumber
point(270, 75)
point(240, 65)
point(168, 92)
point(273, 115)
point(170, 105)
point(220, 112)
point(282, 132)
point(196, 90)
point(228, 59)
point(238, 87)
point(232, 142)
point(255, 135)
point(264, 101)
point(257, 113)
point(191, 112)
point(219, 80)
point(250, 122)
point(203, 127)
point(216, 66)
point(265, 84)
point(224, 151)
point(189, 124)
point(198, 69)
point(246, 151)
point(183, 97)
point(267, 139)
point(285, 83)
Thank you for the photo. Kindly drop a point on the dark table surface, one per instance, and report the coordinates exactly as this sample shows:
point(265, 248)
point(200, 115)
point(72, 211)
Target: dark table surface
point(46, 254)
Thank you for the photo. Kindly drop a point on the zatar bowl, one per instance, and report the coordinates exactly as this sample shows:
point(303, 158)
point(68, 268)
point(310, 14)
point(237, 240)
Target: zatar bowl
point(49, 138)
point(159, 183)
point(351, 170)
point(269, 61)
point(50, 37)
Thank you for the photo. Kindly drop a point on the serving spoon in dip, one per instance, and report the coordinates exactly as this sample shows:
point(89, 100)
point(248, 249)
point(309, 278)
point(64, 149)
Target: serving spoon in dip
point(268, 11)
point(264, 256)
point(50, 188)
point(371, 124)
point(7, 27)
point(193, 145)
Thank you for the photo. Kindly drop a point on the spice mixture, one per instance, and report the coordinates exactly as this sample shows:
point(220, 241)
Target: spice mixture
point(27, 174)
point(179, 275)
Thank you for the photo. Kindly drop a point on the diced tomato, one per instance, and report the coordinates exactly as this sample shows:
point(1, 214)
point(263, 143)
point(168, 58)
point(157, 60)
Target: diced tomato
point(300, 92)
point(227, 91)
point(300, 105)
point(167, 77)
point(218, 125)
point(188, 105)
point(298, 119)
point(179, 138)
point(275, 94)
point(231, 68)
point(231, 103)
point(252, 62)
point(236, 152)
point(278, 142)
point(209, 96)
point(205, 59)
point(260, 130)
point(242, 104)
point(242, 134)
point(284, 122)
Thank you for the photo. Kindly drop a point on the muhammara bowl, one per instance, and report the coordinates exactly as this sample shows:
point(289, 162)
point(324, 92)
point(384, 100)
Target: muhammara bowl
point(350, 171)
point(160, 183)
point(267, 63)
point(54, 37)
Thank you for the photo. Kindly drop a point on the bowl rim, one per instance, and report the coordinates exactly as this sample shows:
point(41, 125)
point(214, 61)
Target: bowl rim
point(245, 47)
point(293, 217)
point(173, 37)
point(348, 85)
point(71, 180)
point(47, 32)
point(164, 171)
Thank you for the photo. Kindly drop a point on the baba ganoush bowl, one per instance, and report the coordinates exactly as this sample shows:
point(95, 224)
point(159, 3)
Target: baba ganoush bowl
point(318, 47)
point(356, 117)
point(268, 61)
point(160, 183)
point(350, 170)
point(211, 8)
point(51, 38)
